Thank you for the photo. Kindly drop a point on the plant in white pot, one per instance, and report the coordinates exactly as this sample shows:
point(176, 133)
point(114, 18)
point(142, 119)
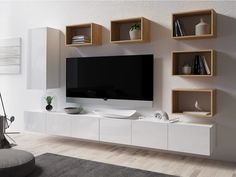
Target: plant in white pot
point(135, 31)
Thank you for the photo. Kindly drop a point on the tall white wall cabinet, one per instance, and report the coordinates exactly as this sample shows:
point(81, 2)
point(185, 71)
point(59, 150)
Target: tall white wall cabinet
point(44, 58)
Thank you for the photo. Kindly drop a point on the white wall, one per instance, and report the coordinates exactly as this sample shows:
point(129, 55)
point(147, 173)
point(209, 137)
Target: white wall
point(17, 17)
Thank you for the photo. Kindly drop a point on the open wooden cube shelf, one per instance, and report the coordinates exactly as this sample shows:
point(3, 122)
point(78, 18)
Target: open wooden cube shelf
point(91, 30)
point(181, 58)
point(120, 30)
point(184, 100)
point(188, 21)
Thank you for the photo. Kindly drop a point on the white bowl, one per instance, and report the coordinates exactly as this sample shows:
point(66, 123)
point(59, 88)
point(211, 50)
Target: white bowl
point(73, 110)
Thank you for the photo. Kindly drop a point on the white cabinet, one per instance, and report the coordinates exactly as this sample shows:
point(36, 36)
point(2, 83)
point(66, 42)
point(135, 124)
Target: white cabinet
point(115, 130)
point(43, 59)
point(85, 127)
point(191, 138)
point(149, 133)
point(35, 121)
point(58, 124)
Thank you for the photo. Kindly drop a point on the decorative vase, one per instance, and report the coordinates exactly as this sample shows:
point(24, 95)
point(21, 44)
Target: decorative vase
point(186, 69)
point(202, 28)
point(49, 107)
point(135, 34)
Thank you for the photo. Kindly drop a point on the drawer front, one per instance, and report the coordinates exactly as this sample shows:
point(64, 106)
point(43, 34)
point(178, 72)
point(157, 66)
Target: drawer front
point(85, 127)
point(35, 121)
point(149, 134)
point(189, 139)
point(115, 131)
point(58, 124)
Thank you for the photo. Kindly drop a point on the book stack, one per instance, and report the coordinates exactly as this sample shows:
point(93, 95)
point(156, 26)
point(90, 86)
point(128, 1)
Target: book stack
point(179, 30)
point(80, 39)
point(200, 66)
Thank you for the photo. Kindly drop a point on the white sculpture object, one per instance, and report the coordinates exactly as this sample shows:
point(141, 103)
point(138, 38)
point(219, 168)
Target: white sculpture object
point(197, 106)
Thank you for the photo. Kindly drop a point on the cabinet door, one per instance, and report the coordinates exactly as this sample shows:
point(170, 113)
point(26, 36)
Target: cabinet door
point(85, 127)
point(58, 124)
point(149, 134)
point(115, 131)
point(35, 121)
point(192, 139)
point(43, 59)
point(37, 59)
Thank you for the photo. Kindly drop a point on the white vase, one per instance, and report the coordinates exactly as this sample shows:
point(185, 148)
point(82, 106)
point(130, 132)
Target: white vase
point(202, 28)
point(135, 34)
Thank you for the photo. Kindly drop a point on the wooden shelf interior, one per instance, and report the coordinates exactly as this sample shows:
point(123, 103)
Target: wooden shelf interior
point(184, 100)
point(120, 30)
point(93, 31)
point(181, 58)
point(189, 20)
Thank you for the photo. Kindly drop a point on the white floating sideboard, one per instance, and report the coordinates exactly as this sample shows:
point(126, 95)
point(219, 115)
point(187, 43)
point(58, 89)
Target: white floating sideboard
point(149, 132)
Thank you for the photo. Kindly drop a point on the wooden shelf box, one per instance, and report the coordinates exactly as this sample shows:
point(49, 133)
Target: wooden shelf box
point(92, 30)
point(120, 30)
point(183, 102)
point(181, 58)
point(188, 21)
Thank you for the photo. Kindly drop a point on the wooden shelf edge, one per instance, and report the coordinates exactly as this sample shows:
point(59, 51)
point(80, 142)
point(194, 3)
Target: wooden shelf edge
point(202, 116)
point(193, 37)
point(193, 12)
point(79, 45)
point(80, 25)
point(193, 51)
point(182, 75)
point(128, 41)
point(127, 19)
point(194, 89)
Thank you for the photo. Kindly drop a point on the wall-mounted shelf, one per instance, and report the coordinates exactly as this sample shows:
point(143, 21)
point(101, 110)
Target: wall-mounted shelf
point(183, 102)
point(120, 30)
point(92, 31)
point(181, 58)
point(188, 20)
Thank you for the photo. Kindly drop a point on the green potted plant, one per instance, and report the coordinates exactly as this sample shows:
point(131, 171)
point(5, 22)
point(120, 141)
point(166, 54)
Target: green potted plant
point(135, 31)
point(49, 102)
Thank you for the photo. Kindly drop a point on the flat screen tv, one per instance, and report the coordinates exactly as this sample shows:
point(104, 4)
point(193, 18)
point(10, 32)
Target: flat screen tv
point(128, 77)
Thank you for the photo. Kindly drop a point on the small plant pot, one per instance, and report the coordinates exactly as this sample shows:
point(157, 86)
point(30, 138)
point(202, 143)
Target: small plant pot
point(49, 107)
point(135, 34)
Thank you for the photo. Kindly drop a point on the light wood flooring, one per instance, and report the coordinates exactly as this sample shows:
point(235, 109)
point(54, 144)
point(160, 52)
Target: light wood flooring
point(166, 163)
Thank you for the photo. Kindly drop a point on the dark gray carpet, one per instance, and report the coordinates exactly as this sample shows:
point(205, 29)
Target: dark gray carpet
point(52, 165)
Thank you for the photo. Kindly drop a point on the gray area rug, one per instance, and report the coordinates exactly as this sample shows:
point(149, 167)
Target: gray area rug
point(52, 165)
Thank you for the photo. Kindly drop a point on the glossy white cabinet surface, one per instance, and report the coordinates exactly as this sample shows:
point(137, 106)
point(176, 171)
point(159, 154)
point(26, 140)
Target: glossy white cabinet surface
point(85, 127)
point(191, 138)
point(115, 130)
point(181, 137)
point(58, 124)
point(35, 121)
point(151, 134)
point(43, 58)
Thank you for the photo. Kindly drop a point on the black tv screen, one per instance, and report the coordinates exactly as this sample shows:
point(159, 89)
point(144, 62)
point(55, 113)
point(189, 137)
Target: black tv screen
point(127, 77)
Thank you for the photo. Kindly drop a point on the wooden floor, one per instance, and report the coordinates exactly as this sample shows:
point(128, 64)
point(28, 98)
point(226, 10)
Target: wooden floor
point(131, 157)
